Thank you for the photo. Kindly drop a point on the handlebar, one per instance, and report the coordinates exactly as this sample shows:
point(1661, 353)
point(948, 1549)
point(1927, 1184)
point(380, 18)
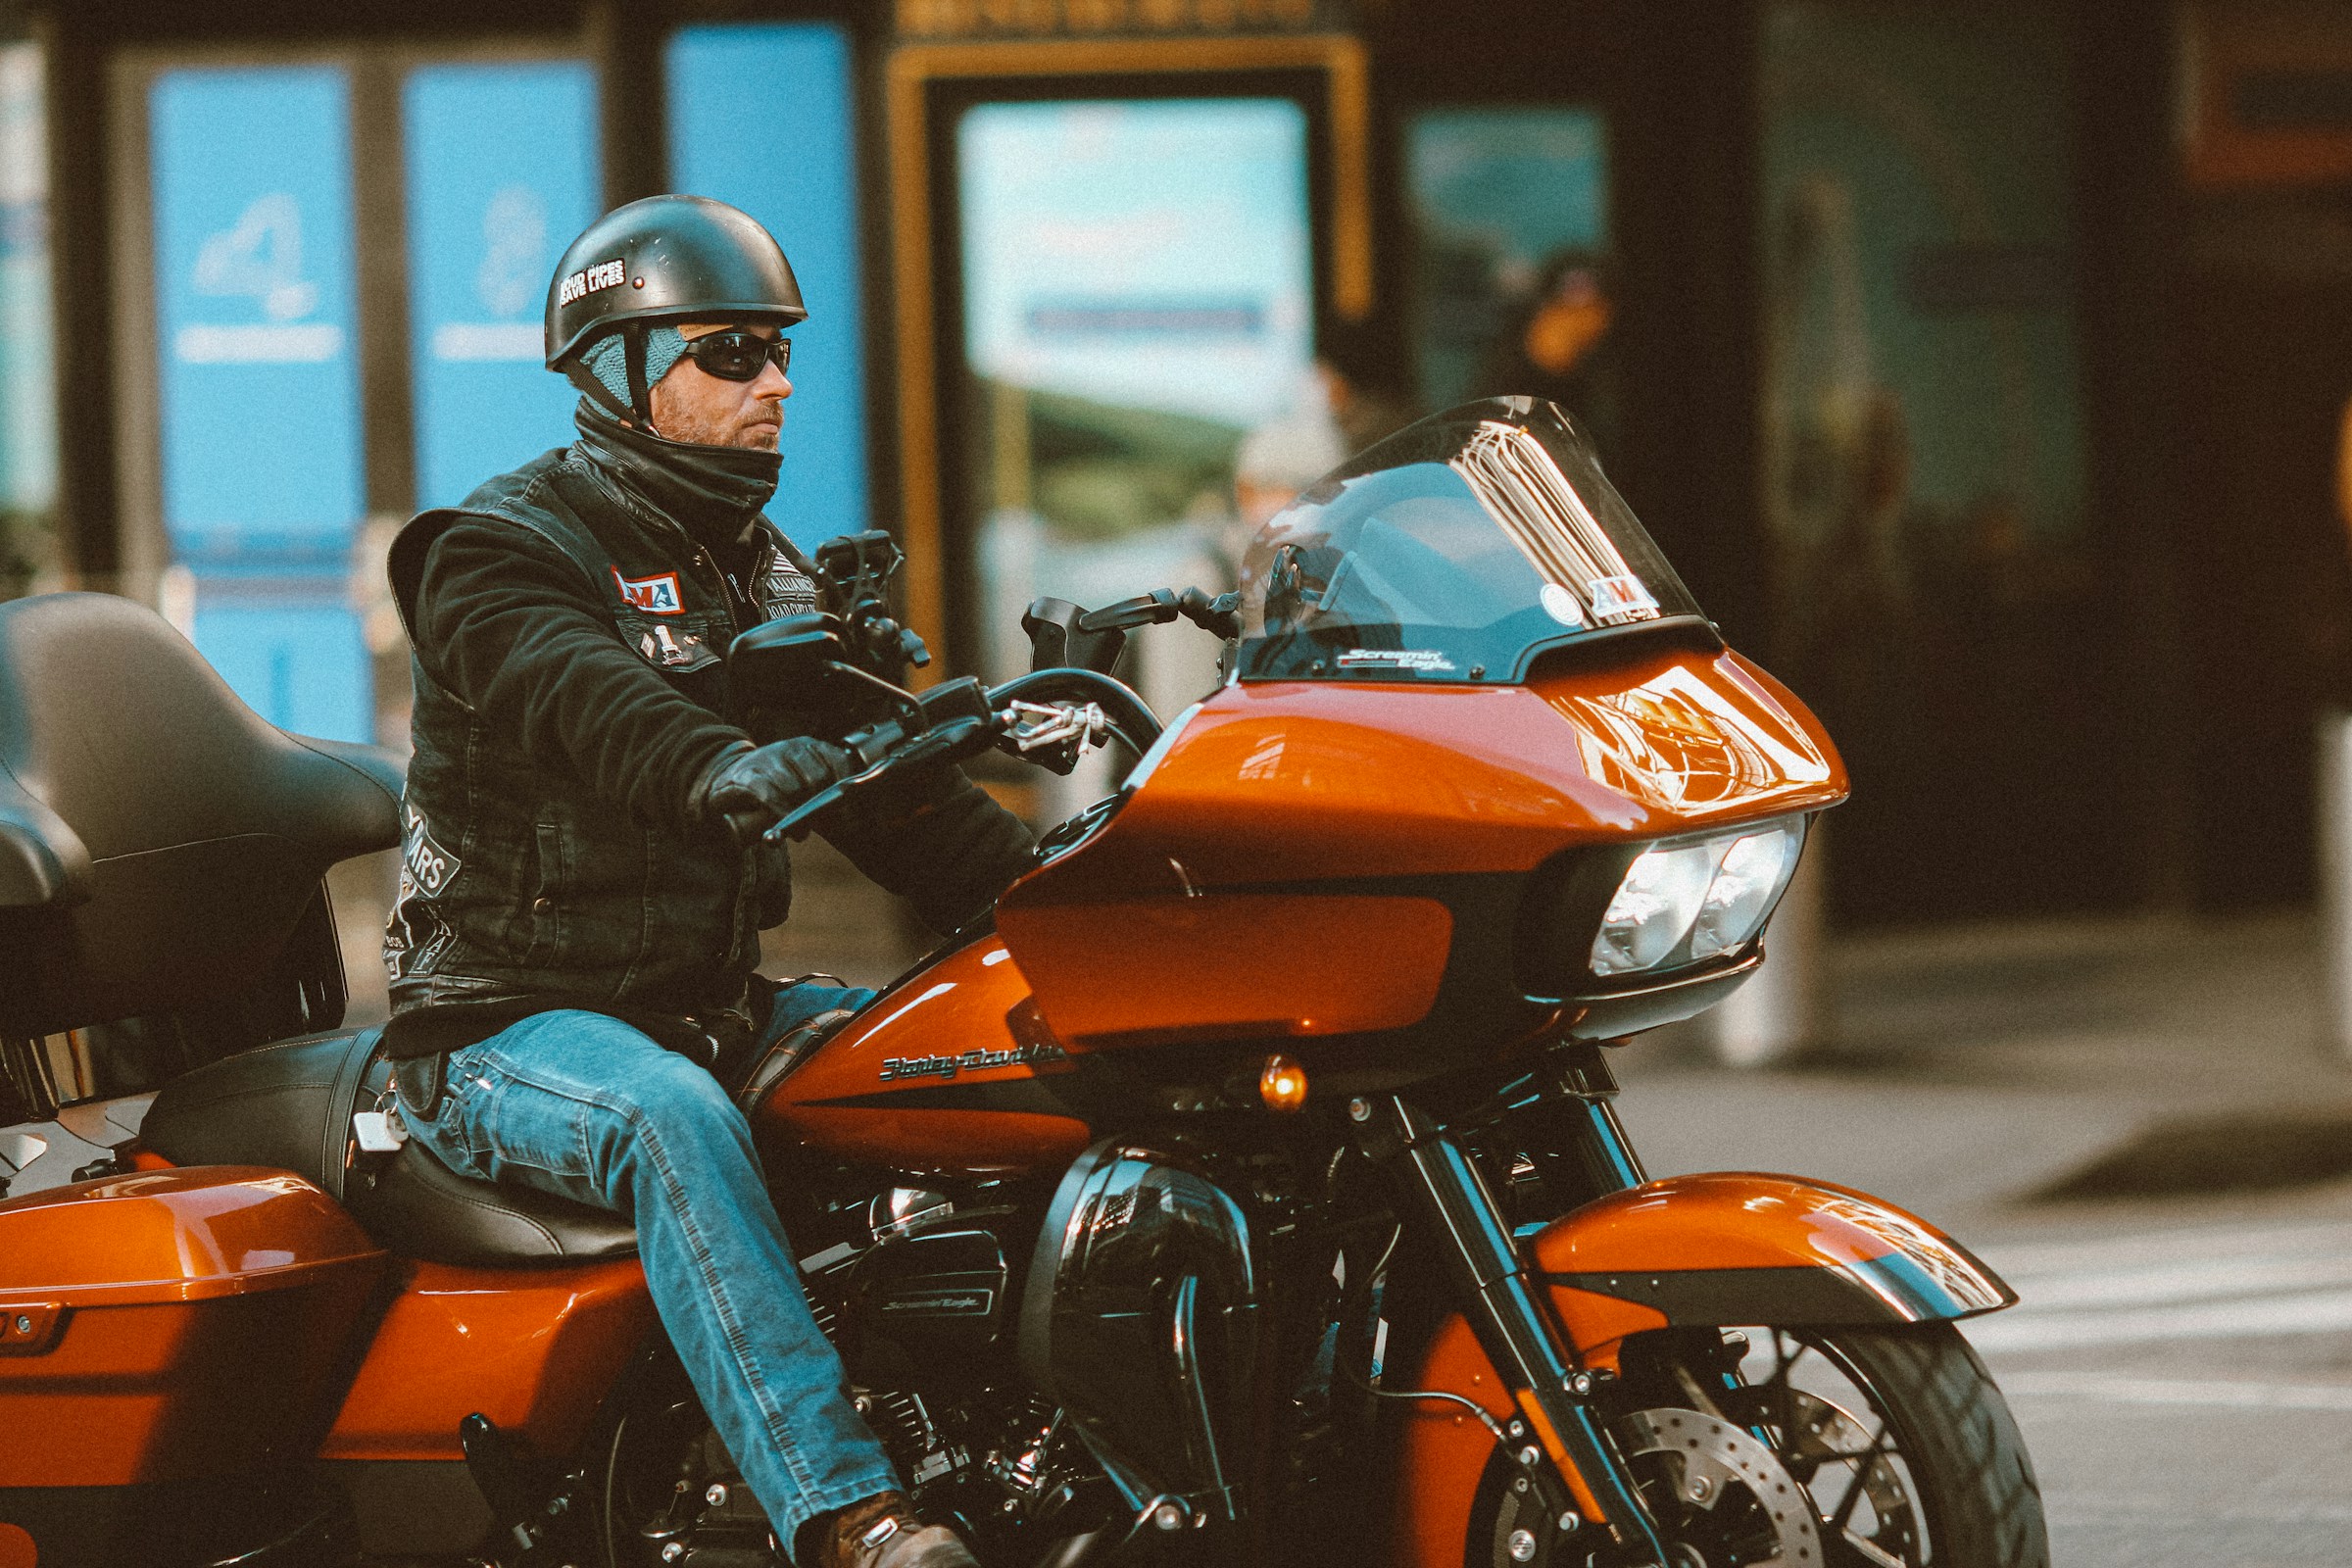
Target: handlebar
point(1064, 636)
point(1048, 716)
point(951, 721)
point(960, 718)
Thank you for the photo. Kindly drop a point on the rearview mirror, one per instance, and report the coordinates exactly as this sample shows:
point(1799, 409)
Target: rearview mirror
point(789, 656)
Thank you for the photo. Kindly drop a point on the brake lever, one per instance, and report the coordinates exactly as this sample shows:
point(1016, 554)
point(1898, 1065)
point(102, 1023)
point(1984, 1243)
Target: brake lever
point(950, 739)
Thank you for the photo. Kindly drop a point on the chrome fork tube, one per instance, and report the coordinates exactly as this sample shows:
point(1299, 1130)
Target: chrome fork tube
point(1440, 1194)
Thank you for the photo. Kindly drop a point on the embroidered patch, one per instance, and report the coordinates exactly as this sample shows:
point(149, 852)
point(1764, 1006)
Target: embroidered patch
point(785, 590)
point(423, 863)
point(658, 596)
point(402, 957)
point(661, 647)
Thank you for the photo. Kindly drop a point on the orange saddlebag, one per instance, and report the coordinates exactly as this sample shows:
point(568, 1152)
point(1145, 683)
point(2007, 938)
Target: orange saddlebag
point(176, 1324)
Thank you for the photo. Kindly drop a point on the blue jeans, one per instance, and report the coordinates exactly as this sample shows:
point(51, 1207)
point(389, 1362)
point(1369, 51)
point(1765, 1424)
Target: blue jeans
point(586, 1107)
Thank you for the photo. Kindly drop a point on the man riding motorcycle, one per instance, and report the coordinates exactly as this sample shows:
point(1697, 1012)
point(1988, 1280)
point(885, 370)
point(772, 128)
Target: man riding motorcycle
point(575, 941)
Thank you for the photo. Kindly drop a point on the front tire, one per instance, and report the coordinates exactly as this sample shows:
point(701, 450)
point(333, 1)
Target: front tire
point(1978, 1491)
point(1898, 1437)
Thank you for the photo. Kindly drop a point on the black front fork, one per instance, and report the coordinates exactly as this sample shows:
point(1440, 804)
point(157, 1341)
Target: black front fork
point(1441, 1195)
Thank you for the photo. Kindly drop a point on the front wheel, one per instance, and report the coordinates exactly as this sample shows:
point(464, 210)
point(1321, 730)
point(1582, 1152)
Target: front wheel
point(1806, 1448)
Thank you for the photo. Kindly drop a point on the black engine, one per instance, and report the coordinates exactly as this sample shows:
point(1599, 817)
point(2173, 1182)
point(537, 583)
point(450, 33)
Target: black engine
point(926, 1319)
point(1013, 1357)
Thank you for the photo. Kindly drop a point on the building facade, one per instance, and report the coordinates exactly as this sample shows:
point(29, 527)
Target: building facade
point(1938, 344)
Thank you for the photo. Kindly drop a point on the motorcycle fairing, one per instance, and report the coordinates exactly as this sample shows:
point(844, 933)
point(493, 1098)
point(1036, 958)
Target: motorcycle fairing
point(1400, 836)
point(1723, 1248)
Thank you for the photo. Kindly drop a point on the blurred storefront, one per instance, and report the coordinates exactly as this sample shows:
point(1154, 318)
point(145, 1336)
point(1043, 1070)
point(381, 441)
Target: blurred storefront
point(1976, 387)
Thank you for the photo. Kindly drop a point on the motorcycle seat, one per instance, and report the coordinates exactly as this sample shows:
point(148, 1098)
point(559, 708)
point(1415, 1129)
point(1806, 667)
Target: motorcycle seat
point(289, 1106)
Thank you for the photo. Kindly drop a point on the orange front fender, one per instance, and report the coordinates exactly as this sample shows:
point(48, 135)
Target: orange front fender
point(1725, 1249)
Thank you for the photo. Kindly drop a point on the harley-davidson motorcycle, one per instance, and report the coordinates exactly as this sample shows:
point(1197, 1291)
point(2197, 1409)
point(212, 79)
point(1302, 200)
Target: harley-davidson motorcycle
point(1247, 1189)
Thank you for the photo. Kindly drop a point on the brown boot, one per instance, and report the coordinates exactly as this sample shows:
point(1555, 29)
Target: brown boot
point(882, 1531)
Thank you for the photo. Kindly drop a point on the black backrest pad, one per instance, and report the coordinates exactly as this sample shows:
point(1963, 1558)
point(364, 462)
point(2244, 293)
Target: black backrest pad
point(158, 839)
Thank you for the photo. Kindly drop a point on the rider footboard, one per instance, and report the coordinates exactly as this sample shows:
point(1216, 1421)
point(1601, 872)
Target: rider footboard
point(166, 1327)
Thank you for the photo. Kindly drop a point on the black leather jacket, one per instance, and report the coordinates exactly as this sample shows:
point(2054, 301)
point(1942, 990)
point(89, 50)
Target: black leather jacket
point(569, 621)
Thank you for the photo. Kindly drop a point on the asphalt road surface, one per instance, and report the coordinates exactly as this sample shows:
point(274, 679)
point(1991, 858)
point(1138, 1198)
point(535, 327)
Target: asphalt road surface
point(2186, 1389)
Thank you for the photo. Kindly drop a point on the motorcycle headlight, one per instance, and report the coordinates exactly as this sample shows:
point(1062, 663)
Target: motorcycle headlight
point(1696, 900)
point(1747, 884)
point(1653, 908)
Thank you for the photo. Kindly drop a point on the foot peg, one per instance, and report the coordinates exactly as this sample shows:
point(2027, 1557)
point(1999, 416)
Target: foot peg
point(523, 1505)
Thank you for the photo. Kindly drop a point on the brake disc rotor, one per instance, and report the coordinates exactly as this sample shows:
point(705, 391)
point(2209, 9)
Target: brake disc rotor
point(1731, 1485)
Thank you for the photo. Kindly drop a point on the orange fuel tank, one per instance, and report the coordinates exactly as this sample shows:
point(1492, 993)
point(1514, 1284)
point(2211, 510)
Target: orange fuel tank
point(944, 1074)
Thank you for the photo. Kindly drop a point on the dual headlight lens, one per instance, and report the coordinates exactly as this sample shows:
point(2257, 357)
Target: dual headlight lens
point(1698, 899)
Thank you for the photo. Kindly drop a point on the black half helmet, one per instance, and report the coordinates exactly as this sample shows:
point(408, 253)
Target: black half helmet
point(667, 259)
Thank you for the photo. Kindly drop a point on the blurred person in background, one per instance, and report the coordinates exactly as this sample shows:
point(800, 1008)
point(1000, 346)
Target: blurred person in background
point(1282, 457)
point(1344, 404)
point(1557, 345)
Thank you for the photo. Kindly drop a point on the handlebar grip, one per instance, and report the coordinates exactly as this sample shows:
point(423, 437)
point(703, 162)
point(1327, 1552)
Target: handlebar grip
point(747, 825)
point(951, 700)
point(966, 725)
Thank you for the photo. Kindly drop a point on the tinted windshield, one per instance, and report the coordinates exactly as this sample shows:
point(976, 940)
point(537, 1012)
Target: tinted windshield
point(1453, 550)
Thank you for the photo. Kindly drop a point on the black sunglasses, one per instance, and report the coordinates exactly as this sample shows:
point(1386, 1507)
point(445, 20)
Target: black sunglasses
point(737, 355)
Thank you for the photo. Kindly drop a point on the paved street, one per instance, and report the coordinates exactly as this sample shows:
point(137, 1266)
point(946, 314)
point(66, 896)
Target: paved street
point(2188, 1391)
point(2182, 1360)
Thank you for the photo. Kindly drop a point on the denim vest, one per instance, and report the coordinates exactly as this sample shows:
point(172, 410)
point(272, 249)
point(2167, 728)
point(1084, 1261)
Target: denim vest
point(519, 882)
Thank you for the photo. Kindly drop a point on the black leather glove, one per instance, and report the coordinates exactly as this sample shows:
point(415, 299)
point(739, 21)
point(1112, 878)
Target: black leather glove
point(756, 786)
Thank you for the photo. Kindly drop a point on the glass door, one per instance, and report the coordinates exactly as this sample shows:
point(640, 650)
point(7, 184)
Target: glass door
point(1138, 297)
point(346, 253)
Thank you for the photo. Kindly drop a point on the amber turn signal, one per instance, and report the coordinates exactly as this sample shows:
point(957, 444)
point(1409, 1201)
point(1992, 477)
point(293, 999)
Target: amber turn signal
point(1283, 1085)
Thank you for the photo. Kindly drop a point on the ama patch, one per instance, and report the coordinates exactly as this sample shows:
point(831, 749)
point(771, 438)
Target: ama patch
point(656, 595)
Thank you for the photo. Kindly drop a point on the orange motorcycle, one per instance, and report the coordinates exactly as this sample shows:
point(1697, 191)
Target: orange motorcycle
point(1246, 1189)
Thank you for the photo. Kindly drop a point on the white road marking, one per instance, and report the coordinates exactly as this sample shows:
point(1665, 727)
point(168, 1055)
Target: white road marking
point(2108, 1509)
point(2213, 1284)
point(2216, 1279)
point(2019, 1329)
point(2123, 1389)
point(2032, 1259)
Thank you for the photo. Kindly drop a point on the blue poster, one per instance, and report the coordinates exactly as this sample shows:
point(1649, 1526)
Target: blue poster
point(254, 305)
point(28, 387)
point(299, 662)
point(759, 116)
point(502, 174)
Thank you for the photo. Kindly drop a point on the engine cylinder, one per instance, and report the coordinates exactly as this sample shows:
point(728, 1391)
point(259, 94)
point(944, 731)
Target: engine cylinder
point(1140, 1318)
